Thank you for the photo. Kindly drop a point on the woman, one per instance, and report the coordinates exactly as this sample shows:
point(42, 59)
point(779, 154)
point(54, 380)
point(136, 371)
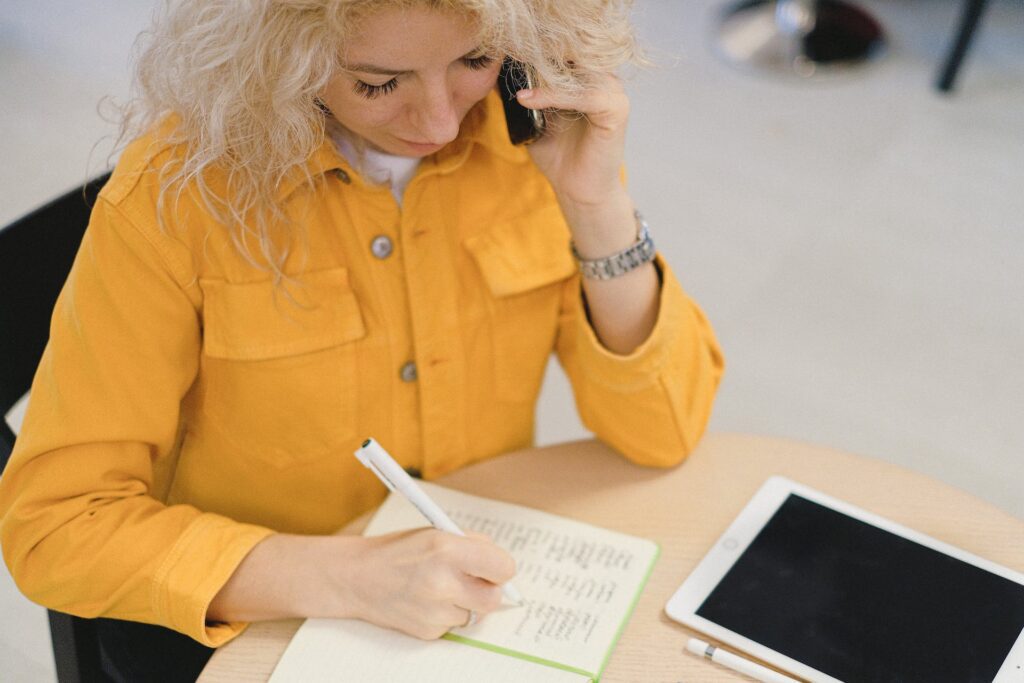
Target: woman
point(323, 233)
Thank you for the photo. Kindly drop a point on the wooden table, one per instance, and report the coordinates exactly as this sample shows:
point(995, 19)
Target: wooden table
point(685, 510)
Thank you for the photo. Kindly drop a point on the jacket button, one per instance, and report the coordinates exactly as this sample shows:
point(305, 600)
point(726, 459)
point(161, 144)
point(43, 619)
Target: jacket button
point(381, 246)
point(408, 372)
point(341, 175)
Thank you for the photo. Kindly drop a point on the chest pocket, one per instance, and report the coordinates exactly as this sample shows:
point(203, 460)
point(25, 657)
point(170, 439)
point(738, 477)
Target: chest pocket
point(524, 263)
point(278, 367)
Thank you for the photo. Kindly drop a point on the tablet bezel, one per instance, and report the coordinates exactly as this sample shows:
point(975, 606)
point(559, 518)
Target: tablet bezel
point(683, 605)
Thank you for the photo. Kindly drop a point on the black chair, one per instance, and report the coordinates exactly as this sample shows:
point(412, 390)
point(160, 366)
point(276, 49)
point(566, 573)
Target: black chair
point(36, 253)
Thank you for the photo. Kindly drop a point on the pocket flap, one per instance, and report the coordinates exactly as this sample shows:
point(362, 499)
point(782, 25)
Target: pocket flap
point(256, 320)
point(525, 253)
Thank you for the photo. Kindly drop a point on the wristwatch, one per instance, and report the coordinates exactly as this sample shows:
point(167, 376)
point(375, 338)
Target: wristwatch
point(640, 252)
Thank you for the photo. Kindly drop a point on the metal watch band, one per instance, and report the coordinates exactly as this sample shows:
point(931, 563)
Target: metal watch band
point(640, 252)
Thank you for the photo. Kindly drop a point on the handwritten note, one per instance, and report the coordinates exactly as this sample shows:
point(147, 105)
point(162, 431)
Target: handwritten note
point(579, 583)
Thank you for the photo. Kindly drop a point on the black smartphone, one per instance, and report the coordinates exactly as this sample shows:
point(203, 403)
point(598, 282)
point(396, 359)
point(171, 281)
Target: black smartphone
point(524, 125)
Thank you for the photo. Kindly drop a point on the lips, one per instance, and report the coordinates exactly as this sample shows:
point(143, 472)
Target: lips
point(421, 145)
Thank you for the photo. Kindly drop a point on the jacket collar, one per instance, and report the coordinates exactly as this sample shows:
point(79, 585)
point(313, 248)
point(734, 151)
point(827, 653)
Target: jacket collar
point(483, 126)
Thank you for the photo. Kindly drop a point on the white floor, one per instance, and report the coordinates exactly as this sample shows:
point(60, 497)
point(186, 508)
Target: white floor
point(858, 243)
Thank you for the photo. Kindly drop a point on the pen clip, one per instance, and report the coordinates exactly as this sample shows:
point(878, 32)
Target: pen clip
point(380, 475)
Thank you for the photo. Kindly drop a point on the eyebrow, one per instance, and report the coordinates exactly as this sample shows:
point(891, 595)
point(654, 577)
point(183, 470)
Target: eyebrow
point(384, 71)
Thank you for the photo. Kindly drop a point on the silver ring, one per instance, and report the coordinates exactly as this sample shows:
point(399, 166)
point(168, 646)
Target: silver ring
point(471, 619)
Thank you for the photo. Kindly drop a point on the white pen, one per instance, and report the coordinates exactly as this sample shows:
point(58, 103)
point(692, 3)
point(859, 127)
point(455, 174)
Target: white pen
point(380, 462)
point(736, 663)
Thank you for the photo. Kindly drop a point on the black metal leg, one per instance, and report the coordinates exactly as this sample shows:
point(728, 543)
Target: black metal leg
point(973, 9)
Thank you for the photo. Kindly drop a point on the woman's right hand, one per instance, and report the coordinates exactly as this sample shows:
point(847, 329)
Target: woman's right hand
point(421, 582)
point(424, 582)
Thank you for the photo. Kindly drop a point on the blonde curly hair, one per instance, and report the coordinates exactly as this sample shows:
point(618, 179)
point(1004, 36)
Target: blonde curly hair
point(241, 78)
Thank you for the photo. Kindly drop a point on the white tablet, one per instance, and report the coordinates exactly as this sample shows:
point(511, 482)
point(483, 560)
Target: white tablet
point(829, 592)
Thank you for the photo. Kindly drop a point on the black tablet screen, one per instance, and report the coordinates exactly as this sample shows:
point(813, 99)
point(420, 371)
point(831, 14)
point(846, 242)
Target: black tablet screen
point(861, 604)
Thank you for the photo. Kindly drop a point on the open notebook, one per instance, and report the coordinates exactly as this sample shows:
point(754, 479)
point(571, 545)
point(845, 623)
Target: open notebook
point(580, 584)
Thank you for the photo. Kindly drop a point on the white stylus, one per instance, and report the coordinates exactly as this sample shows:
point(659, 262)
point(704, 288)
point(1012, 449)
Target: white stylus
point(380, 462)
point(737, 663)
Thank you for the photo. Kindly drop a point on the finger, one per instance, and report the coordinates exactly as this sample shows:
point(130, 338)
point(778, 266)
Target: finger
point(426, 631)
point(453, 616)
point(597, 88)
point(441, 617)
point(483, 559)
point(479, 595)
point(607, 100)
point(470, 617)
point(604, 112)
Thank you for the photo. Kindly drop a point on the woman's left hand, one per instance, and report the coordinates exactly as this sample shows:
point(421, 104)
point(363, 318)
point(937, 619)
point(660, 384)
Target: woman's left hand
point(581, 154)
point(582, 157)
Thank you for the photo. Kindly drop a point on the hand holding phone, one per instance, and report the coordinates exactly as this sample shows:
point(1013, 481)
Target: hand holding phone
point(580, 152)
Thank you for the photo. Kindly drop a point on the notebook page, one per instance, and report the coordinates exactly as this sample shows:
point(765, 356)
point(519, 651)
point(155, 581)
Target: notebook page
point(580, 582)
point(331, 650)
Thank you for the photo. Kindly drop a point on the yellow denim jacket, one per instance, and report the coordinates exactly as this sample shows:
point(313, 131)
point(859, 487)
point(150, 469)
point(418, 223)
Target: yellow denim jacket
point(185, 408)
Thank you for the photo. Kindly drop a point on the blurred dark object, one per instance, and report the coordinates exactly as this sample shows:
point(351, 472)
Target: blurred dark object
point(36, 253)
point(801, 37)
point(842, 33)
point(971, 15)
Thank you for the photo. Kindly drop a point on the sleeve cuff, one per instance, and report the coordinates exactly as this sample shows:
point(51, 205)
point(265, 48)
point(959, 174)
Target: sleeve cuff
point(641, 367)
point(195, 570)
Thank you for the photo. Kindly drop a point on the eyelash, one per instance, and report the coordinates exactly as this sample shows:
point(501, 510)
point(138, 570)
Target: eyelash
point(371, 92)
point(476, 63)
point(374, 91)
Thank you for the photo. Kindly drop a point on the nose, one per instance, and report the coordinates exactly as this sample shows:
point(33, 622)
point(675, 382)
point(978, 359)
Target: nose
point(435, 116)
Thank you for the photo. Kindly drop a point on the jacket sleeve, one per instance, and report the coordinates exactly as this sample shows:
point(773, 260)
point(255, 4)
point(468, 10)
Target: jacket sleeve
point(82, 528)
point(653, 404)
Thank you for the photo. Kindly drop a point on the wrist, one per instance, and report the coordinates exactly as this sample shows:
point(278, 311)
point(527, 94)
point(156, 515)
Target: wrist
point(599, 230)
point(640, 253)
point(286, 576)
point(333, 589)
